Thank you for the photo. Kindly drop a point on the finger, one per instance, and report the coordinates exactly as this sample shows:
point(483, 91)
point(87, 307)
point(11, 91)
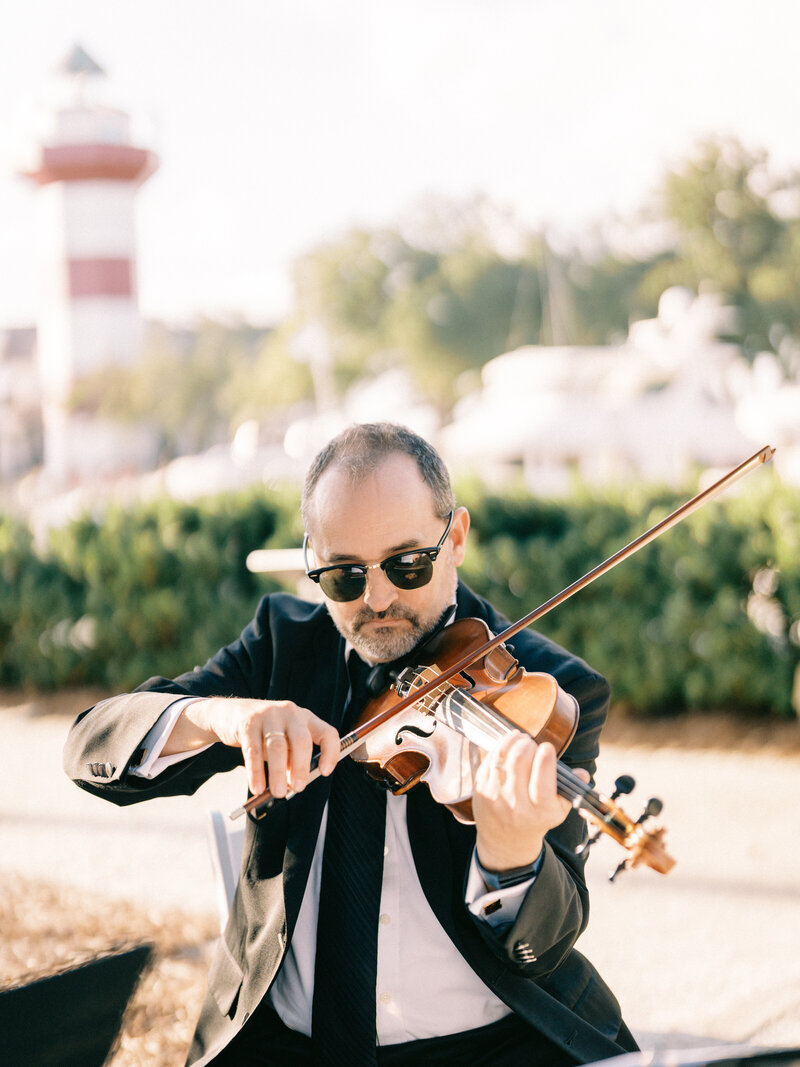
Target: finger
point(251, 741)
point(483, 776)
point(491, 770)
point(506, 743)
point(299, 744)
point(542, 787)
point(499, 756)
point(518, 764)
point(324, 735)
point(276, 754)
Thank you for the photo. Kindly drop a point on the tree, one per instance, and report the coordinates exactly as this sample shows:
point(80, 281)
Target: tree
point(439, 308)
point(732, 232)
point(187, 384)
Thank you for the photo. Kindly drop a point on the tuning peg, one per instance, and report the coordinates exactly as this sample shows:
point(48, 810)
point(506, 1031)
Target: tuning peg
point(654, 806)
point(623, 785)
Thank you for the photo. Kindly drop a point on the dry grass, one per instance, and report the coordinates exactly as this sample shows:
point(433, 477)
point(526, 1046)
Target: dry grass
point(47, 929)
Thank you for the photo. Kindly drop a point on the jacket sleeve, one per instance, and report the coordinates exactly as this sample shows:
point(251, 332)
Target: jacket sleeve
point(555, 910)
point(106, 740)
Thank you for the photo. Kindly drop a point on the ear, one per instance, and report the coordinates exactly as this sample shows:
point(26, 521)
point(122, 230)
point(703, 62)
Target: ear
point(458, 535)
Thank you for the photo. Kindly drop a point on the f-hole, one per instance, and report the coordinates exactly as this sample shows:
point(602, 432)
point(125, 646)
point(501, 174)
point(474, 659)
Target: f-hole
point(398, 739)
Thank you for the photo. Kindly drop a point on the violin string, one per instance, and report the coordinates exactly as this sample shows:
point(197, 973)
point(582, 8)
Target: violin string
point(568, 783)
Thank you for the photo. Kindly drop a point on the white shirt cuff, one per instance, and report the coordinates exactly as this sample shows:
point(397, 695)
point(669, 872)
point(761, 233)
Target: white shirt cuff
point(153, 763)
point(494, 906)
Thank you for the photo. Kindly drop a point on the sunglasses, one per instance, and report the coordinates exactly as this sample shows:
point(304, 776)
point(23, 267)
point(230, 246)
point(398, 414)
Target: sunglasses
point(406, 570)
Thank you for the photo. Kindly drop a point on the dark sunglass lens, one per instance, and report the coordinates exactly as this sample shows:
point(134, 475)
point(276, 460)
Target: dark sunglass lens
point(410, 572)
point(343, 584)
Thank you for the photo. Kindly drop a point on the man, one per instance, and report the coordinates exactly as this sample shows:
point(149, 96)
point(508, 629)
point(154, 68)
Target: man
point(455, 944)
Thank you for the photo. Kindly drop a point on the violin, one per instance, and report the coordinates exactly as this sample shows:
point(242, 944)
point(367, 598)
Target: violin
point(466, 691)
point(441, 738)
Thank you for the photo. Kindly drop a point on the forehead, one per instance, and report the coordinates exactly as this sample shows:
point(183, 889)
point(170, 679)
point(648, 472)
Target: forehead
point(388, 508)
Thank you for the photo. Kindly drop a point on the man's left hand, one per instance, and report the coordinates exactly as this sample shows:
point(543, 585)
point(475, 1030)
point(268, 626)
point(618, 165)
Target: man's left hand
point(515, 801)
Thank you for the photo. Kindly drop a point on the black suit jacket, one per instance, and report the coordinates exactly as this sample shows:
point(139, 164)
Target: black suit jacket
point(292, 650)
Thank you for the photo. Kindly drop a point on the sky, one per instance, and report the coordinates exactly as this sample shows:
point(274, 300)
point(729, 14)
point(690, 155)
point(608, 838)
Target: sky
point(280, 124)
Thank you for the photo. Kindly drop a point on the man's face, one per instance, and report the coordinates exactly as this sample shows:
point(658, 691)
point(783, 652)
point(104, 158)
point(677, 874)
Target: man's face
point(388, 511)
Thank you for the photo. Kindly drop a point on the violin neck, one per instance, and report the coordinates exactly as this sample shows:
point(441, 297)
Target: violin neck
point(584, 798)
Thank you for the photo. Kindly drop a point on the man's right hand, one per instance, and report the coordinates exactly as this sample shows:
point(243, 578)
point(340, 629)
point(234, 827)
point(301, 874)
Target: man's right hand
point(277, 733)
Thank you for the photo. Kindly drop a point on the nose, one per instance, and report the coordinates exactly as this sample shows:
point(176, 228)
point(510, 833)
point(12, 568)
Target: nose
point(380, 592)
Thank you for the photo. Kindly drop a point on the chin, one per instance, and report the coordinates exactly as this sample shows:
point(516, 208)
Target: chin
point(384, 646)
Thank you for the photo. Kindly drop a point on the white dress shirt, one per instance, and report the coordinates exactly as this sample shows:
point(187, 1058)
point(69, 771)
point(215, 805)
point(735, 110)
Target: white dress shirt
point(418, 964)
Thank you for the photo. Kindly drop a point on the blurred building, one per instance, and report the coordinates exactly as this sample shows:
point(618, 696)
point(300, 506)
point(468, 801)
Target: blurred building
point(88, 172)
point(671, 398)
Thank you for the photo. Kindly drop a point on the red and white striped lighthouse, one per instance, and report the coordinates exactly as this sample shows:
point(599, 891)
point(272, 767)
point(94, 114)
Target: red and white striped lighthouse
point(88, 172)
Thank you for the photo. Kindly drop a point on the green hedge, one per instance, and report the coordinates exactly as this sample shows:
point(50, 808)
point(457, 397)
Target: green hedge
point(152, 590)
point(707, 616)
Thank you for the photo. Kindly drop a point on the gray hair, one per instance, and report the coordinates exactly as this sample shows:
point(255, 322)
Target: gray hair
point(361, 448)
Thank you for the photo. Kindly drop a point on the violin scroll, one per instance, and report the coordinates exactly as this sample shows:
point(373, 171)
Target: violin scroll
point(642, 845)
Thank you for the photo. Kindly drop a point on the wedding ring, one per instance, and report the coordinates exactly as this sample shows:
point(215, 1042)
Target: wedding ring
point(273, 733)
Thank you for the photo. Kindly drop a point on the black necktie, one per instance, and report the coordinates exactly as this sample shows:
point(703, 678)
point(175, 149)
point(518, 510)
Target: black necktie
point(345, 973)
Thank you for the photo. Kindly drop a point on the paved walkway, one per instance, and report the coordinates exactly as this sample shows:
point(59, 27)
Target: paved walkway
point(707, 954)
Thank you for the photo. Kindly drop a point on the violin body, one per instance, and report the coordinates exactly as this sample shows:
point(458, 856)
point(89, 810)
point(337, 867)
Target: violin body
point(441, 739)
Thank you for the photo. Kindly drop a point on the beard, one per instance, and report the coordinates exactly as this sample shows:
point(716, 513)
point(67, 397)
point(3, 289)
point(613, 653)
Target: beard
point(383, 644)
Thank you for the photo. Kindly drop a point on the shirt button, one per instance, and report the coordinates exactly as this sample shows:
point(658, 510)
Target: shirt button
point(385, 998)
point(386, 850)
point(385, 919)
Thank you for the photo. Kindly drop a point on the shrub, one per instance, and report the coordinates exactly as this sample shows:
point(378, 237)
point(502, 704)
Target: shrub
point(151, 590)
point(707, 616)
